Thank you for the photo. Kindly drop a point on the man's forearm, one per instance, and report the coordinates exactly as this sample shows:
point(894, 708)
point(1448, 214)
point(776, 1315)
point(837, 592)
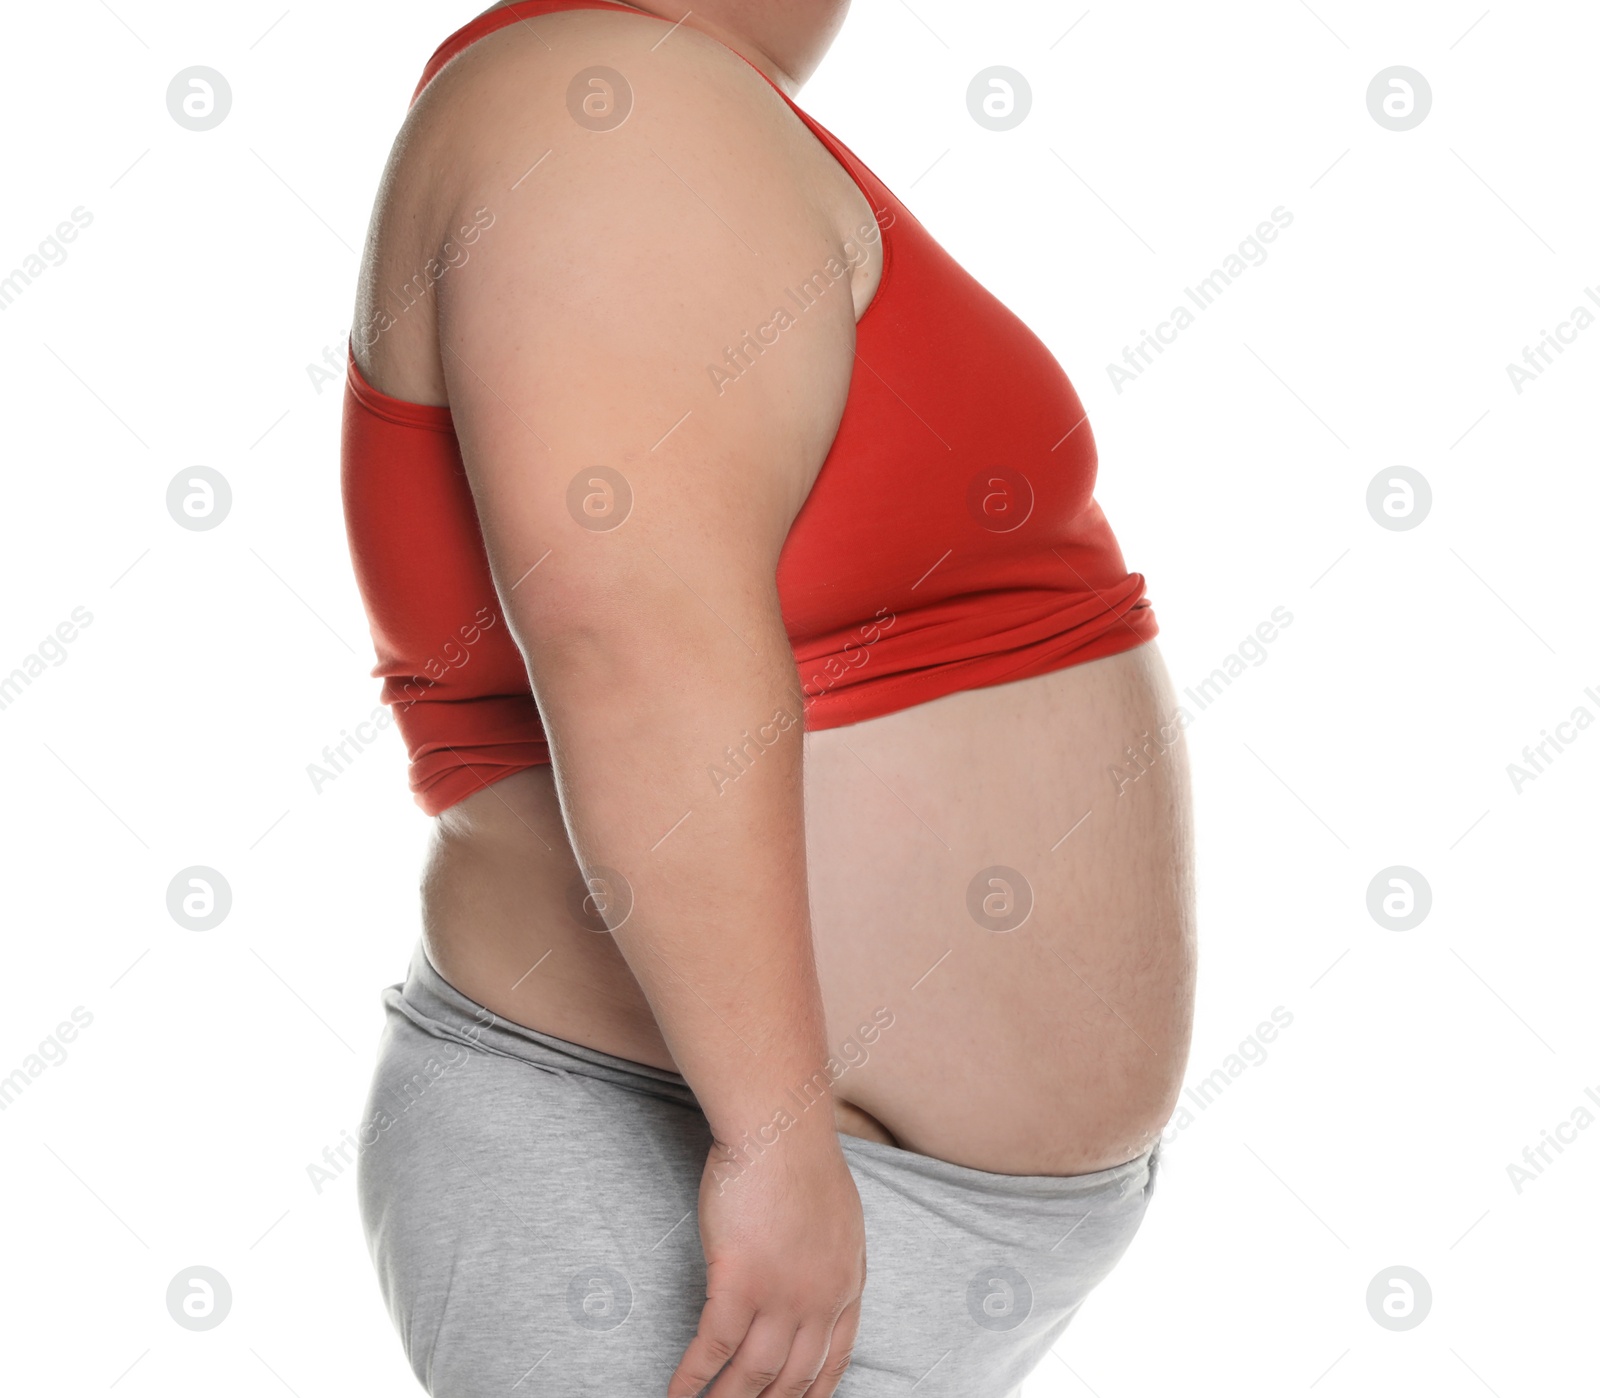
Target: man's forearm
point(709, 844)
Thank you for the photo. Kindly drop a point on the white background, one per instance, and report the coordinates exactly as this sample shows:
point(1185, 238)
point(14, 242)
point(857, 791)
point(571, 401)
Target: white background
point(178, 728)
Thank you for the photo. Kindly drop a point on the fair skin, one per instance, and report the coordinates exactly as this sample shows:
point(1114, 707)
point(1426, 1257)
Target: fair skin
point(770, 919)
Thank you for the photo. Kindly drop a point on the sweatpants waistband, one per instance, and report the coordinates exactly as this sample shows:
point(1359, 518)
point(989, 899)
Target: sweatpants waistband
point(438, 1008)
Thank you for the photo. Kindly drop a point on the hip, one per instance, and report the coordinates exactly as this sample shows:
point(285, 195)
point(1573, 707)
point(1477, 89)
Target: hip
point(529, 1204)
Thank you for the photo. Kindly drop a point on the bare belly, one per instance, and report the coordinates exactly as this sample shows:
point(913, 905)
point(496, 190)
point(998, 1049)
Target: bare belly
point(1002, 909)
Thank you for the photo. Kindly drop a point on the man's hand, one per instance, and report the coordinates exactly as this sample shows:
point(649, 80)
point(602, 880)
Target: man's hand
point(785, 1266)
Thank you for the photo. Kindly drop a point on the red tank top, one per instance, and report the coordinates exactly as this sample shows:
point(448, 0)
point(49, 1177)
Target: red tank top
point(951, 539)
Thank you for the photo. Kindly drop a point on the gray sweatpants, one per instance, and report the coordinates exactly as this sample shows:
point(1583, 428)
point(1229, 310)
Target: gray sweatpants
point(530, 1206)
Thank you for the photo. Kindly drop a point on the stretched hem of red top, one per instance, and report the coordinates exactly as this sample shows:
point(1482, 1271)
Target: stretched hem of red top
point(436, 416)
point(842, 708)
point(439, 796)
point(442, 793)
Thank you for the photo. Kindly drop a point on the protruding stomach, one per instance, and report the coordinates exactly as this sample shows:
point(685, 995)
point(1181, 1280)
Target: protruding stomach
point(1002, 905)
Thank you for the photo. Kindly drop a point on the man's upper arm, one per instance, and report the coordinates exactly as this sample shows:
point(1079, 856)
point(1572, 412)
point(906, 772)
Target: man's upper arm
point(609, 438)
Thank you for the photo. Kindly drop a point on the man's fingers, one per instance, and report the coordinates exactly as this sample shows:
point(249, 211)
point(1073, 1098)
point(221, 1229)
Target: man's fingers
point(841, 1345)
point(758, 1361)
point(724, 1323)
point(807, 1352)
